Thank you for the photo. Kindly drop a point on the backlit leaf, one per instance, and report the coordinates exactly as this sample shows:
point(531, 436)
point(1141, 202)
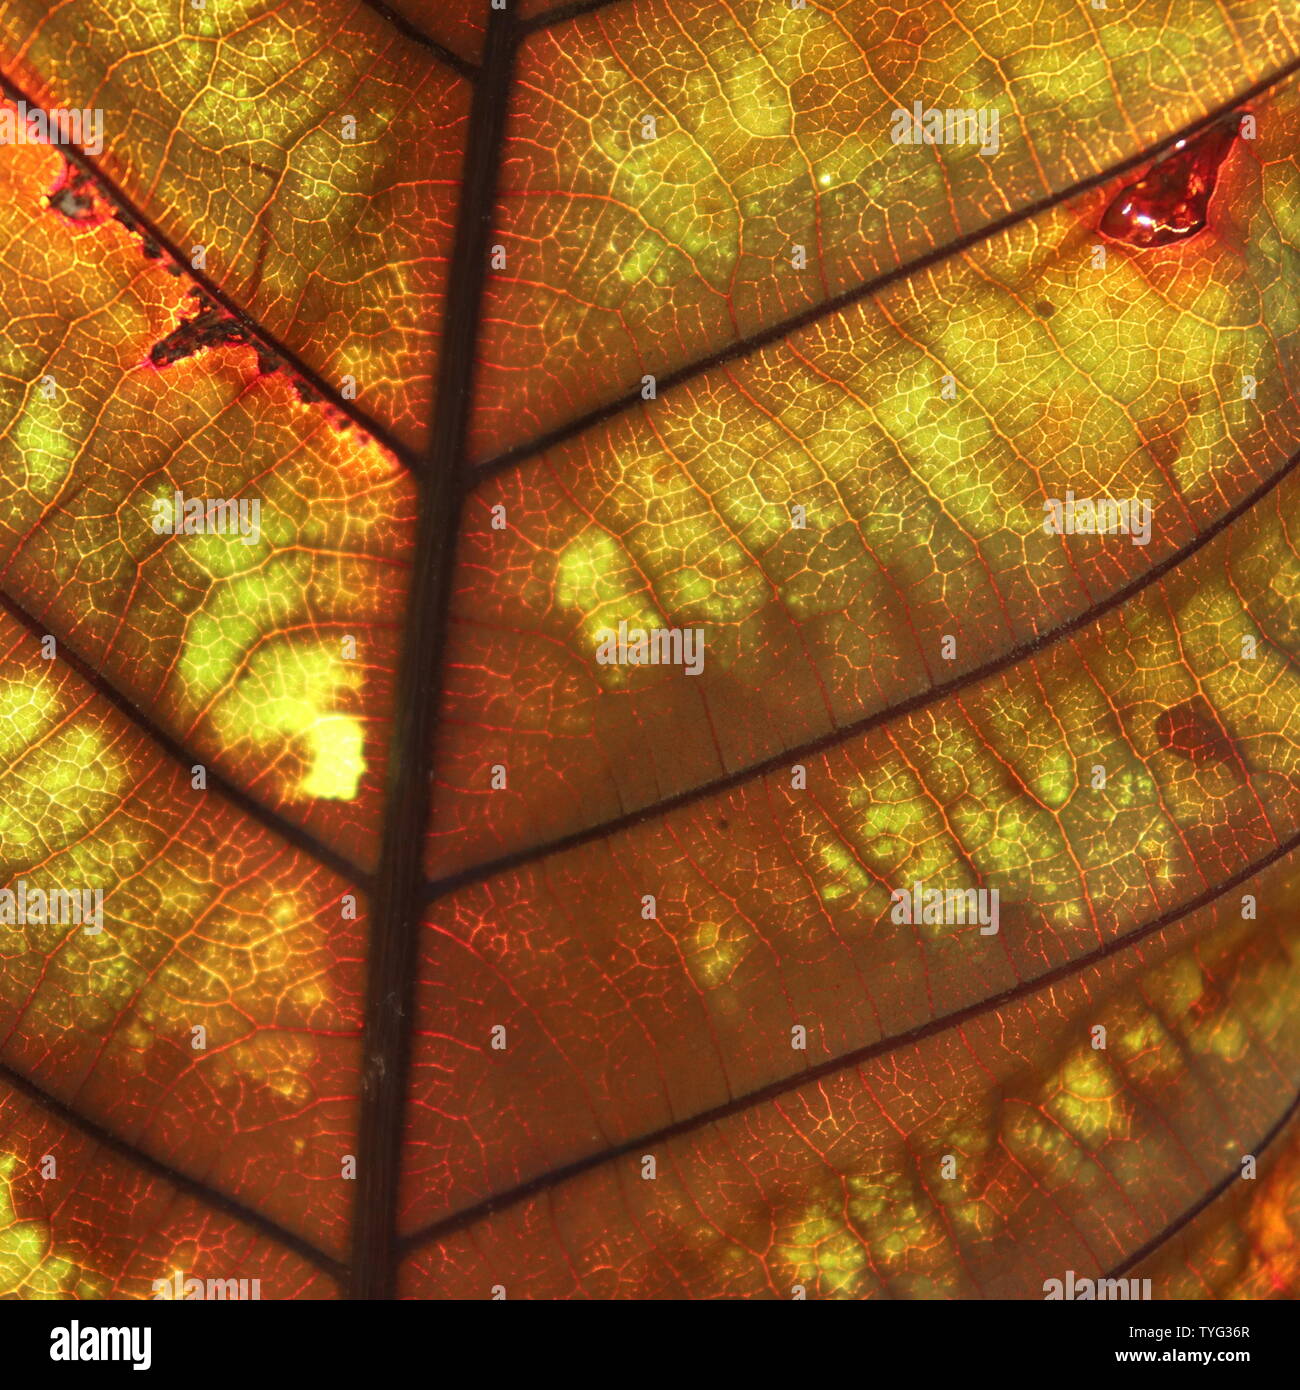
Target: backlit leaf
point(439, 956)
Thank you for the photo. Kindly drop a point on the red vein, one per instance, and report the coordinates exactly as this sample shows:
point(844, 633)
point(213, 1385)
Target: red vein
point(777, 761)
point(140, 221)
point(856, 1057)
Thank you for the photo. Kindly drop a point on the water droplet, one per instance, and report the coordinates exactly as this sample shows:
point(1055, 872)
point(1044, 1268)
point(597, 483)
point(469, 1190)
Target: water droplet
point(1170, 201)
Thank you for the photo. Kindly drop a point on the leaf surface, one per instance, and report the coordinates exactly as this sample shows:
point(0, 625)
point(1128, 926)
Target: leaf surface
point(379, 1007)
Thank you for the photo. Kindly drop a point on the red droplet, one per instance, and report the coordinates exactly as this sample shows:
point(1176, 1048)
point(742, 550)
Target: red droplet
point(1169, 202)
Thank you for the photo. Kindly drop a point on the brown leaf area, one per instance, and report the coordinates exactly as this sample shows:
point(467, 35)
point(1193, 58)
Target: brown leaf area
point(383, 371)
point(1243, 1246)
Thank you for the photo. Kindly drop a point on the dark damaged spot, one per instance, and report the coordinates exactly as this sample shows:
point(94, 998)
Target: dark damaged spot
point(78, 197)
point(1193, 732)
point(210, 327)
point(74, 197)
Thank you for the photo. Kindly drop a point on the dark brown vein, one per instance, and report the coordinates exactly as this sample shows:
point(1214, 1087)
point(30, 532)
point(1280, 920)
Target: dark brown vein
point(397, 902)
point(407, 29)
point(765, 337)
point(1187, 1217)
point(900, 708)
point(561, 14)
point(209, 1196)
point(256, 810)
point(396, 912)
point(858, 1056)
point(145, 225)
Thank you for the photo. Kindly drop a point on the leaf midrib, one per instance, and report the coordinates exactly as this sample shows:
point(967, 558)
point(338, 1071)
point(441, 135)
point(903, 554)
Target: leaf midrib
point(736, 349)
point(304, 841)
point(396, 917)
point(500, 1201)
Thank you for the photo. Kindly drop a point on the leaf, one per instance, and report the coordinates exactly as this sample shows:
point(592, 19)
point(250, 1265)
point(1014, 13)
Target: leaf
point(457, 926)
